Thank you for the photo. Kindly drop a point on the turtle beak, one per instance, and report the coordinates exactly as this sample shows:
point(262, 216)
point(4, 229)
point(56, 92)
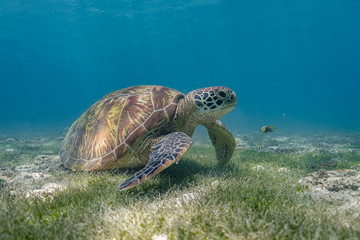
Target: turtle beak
point(231, 100)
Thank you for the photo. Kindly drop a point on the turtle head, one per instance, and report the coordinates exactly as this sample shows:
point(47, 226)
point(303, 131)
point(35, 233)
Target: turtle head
point(213, 103)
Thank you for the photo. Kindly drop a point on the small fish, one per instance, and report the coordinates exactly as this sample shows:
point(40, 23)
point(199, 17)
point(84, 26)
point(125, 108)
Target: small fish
point(267, 128)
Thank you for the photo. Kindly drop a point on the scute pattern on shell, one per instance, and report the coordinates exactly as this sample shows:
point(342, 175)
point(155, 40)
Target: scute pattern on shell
point(110, 129)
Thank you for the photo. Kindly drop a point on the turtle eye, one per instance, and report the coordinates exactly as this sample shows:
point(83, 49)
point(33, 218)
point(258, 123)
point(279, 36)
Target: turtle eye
point(222, 94)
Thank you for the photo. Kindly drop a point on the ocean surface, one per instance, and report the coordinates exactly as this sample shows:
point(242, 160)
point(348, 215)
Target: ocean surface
point(292, 63)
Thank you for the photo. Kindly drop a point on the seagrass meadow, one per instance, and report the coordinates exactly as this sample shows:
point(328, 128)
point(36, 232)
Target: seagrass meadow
point(256, 196)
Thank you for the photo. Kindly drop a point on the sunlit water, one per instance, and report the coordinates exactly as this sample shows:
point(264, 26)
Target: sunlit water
point(294, 64)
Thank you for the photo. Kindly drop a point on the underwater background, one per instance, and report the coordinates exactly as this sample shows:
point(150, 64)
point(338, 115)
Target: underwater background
point(294, 64)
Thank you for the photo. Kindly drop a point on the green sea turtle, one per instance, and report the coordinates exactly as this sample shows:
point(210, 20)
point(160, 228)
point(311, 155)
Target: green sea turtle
point(147, 126)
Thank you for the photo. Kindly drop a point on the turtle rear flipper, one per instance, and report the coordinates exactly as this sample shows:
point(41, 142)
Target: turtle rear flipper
point(165, 153)
point(222, 140)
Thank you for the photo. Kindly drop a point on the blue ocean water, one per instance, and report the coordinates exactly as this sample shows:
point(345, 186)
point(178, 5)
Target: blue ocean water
point(292, 63)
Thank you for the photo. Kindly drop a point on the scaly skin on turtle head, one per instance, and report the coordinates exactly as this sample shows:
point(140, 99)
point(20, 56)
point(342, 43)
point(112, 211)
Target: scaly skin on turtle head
point(212, 103)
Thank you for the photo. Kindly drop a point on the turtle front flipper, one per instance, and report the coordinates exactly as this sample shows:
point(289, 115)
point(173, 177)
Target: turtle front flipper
point(222, 140)
point(166, 152)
